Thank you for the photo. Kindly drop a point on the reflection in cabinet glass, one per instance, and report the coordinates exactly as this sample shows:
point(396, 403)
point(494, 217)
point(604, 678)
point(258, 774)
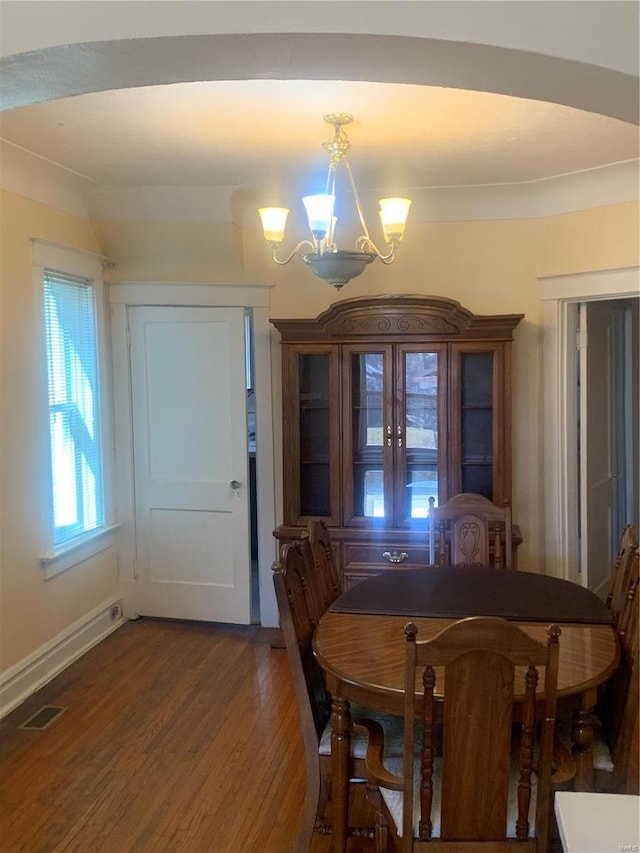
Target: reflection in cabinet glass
point(390, 397)
point(368, 434)
point(420, 392)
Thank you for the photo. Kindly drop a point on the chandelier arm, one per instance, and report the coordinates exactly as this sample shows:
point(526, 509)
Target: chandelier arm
point(330, 183)
point(364, 244)
point(296, 249)
point(330, 189)
point(356, 198)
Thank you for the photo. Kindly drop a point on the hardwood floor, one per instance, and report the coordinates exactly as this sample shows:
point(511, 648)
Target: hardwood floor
point(176, 737)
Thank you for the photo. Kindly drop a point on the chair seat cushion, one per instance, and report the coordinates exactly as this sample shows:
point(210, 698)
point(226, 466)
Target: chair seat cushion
point(394, 799)
point(391, 724)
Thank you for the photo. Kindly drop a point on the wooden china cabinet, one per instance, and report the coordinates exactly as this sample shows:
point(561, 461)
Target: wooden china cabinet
point(387, 401)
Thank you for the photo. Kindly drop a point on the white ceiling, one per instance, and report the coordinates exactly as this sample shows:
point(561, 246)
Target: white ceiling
point(267, 134)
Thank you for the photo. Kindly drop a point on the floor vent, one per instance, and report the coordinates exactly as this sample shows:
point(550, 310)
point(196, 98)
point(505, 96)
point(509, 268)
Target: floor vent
point(43, 718)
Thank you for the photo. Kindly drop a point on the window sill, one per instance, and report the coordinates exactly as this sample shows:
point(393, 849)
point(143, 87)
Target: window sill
point(80, 549)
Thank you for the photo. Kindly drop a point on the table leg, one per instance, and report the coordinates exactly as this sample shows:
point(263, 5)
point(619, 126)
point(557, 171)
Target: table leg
point(582, 737)
point(340, 750)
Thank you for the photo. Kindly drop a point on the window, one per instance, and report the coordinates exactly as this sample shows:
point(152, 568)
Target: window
point(73, 402)
point(75, 509)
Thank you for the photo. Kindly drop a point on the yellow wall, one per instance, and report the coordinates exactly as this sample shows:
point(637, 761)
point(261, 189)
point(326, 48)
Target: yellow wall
point(489, 266)
point(32, 610)
point(602, 238)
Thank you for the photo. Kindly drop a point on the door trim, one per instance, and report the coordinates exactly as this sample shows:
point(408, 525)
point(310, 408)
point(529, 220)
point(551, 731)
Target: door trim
point(560, 296)
point(125, 294)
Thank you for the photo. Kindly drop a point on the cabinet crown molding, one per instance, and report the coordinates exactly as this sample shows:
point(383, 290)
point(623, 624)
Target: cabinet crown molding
point(398, 316)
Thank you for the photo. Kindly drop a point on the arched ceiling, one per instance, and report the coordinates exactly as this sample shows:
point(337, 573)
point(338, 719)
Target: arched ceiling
point(244, 108)
point(266, 132)
point(74, 69)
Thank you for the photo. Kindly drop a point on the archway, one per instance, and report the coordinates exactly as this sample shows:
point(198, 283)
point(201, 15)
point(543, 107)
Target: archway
point(68, 70)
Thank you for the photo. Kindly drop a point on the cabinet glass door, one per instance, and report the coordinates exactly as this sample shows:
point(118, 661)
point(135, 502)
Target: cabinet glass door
point(478, 421)
point(368, 440)
point(311, 464)
point(417, 432)
point(315, 472)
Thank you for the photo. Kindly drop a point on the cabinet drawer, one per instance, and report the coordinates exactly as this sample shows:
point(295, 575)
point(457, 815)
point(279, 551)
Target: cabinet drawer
point(384, 556)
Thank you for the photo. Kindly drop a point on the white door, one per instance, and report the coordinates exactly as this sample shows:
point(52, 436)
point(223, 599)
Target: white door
point(191, 485)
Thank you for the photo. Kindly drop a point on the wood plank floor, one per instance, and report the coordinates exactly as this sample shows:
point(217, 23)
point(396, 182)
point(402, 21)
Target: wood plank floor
point(177, 738)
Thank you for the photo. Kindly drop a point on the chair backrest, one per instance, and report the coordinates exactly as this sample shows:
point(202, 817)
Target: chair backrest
point(618, 710)
point(628, 616)
point(618, 592)
point(470, 530)
point(326, 579)
point(483, 662)
point(298, 611)
point(618, 703)
point(626, 749)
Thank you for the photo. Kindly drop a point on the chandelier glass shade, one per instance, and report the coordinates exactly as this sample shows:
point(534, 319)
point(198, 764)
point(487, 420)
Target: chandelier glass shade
point(321, 253)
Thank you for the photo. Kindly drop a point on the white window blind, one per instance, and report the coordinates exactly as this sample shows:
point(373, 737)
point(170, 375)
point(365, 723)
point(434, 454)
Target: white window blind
point(72, 373)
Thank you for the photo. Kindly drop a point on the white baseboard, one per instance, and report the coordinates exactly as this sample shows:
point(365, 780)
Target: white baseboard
point(22, 680)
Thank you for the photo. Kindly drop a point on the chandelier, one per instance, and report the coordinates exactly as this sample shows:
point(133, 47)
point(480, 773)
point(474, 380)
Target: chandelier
point(323, 257)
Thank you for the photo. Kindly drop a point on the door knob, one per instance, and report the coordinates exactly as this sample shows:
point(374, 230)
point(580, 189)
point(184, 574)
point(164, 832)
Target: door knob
point(235, 484)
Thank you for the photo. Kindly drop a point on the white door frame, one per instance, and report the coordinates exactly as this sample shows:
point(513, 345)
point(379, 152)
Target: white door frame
point(560, 297)
point(124, 294)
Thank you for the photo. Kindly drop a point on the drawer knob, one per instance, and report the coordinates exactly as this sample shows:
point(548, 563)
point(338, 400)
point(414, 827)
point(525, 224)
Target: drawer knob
point(394, 556)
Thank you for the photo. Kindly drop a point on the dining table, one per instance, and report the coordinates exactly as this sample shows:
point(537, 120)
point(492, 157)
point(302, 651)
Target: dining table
point(360, 644)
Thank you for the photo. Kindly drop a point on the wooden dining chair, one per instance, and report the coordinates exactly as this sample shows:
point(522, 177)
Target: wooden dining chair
point(617, 730)
point(470, 530)
point(628, 616)
point(325, 573)
point(490, 790)
point(619, 589)
point(299, 612)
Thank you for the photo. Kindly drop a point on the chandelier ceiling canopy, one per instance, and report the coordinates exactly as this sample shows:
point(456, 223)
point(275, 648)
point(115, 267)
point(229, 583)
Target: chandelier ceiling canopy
point(321, 252)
